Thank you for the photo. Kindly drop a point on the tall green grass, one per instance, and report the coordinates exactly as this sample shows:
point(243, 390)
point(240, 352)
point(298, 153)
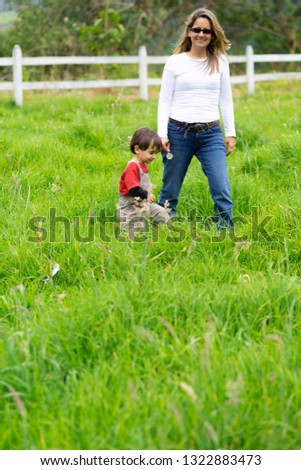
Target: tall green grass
point(178, 340)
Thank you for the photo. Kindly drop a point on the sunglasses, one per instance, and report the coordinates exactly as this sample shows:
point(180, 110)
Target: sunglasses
point(201, 30)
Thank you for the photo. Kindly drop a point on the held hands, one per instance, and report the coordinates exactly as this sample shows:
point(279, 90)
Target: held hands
point(230, 144)
point(165, 144)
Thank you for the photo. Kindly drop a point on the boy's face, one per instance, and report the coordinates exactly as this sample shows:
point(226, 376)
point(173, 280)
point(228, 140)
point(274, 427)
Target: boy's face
point(145, 156)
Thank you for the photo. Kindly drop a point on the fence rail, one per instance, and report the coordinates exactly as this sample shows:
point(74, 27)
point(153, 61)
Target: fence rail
point(17, 62)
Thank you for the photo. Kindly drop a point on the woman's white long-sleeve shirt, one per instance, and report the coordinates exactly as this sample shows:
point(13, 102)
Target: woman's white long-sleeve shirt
point(190, 94)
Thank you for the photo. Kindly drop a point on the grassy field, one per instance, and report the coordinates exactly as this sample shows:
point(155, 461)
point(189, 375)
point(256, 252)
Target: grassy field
point(180, 340)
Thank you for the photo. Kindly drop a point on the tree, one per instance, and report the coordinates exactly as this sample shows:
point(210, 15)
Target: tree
point(51, 27)
point(269, 25)
point(54, 27)
point(105, 34)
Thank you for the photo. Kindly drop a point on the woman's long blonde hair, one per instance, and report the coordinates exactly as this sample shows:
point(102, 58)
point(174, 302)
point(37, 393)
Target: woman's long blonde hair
point(218, 44)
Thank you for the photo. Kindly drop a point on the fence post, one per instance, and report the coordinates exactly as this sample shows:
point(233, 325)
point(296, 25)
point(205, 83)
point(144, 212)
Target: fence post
point(143, 73)
point(17, 75)
point(250, 69)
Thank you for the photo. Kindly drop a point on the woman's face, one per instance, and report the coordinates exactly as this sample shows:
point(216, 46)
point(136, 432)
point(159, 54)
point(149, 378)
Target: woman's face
point(200, 34)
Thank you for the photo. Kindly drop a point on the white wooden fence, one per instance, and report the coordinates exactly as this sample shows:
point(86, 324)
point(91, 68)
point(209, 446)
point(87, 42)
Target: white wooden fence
point(17, 62)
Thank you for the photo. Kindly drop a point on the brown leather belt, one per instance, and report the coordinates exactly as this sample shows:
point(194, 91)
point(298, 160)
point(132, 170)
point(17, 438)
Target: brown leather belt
point(195, 126)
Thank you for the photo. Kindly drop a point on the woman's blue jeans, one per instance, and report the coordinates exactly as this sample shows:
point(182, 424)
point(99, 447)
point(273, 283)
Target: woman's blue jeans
point(209, 148)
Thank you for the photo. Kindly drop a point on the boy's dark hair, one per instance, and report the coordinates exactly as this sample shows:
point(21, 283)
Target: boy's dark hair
point(144, 137)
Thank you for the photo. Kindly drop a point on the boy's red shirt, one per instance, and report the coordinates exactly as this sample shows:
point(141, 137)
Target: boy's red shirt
point(130, 177)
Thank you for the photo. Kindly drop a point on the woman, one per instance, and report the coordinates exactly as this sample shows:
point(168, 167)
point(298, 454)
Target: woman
point(195, 83)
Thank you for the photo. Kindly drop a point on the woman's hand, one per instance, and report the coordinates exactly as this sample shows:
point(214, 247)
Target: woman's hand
point(230, 144)
point(165, 144)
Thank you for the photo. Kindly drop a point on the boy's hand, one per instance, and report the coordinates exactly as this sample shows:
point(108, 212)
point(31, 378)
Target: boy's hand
point(151, 198)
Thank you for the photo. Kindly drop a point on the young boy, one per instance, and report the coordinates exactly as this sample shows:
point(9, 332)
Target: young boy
point(136, 201)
